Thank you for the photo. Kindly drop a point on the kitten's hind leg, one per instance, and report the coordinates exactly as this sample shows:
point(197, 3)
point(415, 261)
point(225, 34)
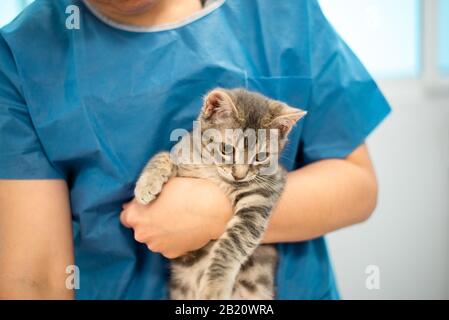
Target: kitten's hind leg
point(255, 280)
point(231, 250)
point(155, 174)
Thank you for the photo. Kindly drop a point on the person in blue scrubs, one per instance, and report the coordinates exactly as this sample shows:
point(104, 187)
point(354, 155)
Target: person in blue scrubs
point(82, 109)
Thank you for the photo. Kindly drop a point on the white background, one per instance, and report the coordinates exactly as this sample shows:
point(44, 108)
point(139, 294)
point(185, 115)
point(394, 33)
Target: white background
point(408, 235)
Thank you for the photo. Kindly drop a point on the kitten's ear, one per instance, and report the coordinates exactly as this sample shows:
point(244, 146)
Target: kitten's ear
point(287, 118)
point(218, 105)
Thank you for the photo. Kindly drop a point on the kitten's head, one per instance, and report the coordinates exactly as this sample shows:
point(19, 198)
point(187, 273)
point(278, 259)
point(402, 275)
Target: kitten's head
point(247, 130)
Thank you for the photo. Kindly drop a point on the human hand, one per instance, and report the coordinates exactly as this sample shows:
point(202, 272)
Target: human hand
point(185, 217)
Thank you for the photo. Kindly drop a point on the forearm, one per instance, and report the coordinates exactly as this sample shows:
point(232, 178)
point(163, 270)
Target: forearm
point(28, 289)
point(36, 243)
point(320, 198)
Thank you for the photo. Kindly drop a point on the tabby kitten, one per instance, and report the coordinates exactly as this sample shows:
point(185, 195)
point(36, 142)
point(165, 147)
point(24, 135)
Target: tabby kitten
point(235, 266)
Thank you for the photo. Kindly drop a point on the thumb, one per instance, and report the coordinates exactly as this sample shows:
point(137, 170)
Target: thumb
point(124, 218)
point(127, 204)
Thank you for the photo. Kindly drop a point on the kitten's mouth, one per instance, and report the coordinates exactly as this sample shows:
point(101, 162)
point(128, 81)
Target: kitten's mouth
point(230, 178)
point(246, 179)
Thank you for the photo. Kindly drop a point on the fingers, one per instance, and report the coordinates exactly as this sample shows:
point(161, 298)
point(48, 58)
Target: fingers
point(130, 217)
point(124, 218)
point(135, 219)
point(154, 245)
point(131, 213)
point(157, 247)
point(124, 214)
point(126, 205)
point(171, 255)
point(136, 216)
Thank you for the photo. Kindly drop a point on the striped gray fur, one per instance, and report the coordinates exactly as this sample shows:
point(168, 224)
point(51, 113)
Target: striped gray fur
point(236, 266)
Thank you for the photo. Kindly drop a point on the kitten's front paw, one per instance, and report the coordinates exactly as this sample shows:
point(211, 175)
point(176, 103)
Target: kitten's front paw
point(148, 187)
point(143, 196)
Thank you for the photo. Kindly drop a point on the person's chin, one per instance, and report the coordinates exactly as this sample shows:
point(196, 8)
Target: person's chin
point(132, 7)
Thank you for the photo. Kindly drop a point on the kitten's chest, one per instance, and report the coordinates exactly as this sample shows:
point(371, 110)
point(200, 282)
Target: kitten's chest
point(208, 173)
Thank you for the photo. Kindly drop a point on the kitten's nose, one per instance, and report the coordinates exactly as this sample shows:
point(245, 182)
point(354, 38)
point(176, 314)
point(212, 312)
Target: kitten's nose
point(239, 171)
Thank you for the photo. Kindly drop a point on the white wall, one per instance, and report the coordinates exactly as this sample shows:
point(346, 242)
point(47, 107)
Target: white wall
point(408, 235)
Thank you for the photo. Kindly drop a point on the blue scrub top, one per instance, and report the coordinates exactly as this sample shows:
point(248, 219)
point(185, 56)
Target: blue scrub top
point(91, 106)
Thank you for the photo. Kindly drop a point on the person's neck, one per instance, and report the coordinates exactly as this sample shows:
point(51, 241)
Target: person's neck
point(162, 12)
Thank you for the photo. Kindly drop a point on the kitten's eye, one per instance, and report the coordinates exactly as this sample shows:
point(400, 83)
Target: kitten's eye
point(261, 156)
point(226, 149)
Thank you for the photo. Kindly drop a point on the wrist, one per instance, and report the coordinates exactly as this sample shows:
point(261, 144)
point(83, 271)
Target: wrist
point(218, 227)
point(216, 206)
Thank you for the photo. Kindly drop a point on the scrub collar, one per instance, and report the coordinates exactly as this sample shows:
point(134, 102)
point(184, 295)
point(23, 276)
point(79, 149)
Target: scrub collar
point(209, 6)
